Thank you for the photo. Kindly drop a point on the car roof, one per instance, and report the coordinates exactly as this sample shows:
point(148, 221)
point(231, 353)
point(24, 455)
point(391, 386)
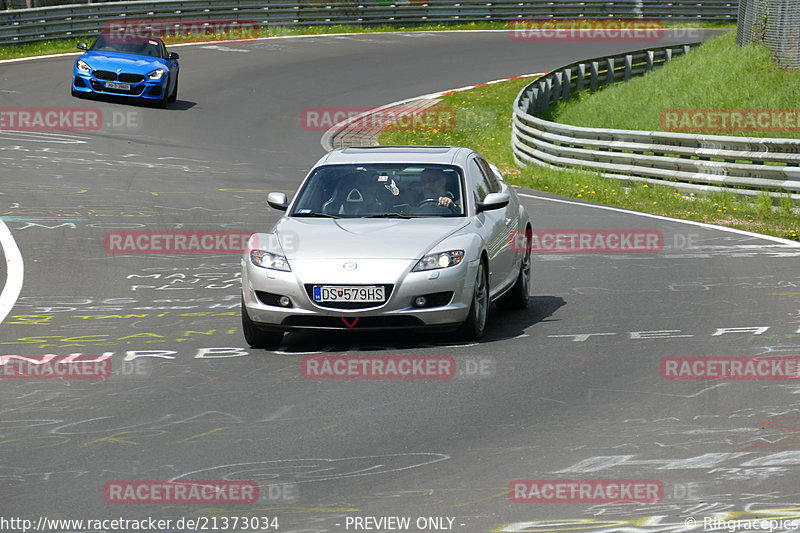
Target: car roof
point(441, 155)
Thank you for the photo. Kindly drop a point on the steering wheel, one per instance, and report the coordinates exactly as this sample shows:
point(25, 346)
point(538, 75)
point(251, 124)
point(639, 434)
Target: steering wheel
point(426, 201)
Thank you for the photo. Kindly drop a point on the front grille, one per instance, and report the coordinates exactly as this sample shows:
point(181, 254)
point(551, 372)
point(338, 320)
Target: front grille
point(387, 291)
point(105, 75)
point(367, 322)
point(131, 78)
point(134, 91)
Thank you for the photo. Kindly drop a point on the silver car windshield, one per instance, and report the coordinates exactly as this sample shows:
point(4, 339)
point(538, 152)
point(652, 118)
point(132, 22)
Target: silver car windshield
point(382, 191)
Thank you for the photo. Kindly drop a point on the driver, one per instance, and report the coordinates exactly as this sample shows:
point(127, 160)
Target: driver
point(434, 186)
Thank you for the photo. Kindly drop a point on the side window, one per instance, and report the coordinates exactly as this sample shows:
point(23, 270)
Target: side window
point(487, 171)
point(481, 186)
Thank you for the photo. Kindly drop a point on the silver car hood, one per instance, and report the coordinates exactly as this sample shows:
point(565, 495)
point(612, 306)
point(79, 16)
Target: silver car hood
point(363, 238)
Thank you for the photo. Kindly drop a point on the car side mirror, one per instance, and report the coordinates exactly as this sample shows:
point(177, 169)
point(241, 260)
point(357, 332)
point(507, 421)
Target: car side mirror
point(278, 200)
point(172, 55)
point(83, 46)
point(493, 200)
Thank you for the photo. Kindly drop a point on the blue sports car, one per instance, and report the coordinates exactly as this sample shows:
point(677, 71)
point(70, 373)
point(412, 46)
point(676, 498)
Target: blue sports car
point(136, 68)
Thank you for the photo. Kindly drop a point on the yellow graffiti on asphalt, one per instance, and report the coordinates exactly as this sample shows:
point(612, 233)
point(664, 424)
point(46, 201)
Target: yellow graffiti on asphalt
point(61, 341)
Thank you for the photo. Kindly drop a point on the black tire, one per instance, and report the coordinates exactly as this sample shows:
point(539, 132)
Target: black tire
point(174, 95)
point(257, 337)
point(518, 296)
point(473, 328)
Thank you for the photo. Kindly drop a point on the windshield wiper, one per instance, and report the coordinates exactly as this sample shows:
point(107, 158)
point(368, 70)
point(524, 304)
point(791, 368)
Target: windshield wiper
point(321, 215)
point(389, 215)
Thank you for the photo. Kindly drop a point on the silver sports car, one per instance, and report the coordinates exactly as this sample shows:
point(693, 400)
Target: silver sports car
point(394, 237)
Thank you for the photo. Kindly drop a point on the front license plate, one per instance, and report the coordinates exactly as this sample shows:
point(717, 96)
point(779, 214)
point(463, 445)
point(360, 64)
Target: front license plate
point(326, 293)
point(115, 85)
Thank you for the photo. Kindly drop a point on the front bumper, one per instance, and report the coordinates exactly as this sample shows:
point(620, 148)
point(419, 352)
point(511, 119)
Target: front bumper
point(448, 291)
point(83, 82)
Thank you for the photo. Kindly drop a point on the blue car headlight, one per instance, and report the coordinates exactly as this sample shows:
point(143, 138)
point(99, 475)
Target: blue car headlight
point(157, 74)
point(83, 66)
point(439, 260)
point(265, 259)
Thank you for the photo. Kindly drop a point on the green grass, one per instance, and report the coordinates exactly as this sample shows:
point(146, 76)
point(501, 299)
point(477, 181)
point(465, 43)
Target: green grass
point(61, 46)
point(483, 122)
point(718, 75)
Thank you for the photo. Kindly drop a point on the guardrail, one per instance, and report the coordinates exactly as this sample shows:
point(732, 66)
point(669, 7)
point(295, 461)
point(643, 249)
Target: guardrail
point(64, 21)
point(741, 165)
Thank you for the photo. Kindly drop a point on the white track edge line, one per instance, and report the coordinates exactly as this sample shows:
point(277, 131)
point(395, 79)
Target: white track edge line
point(787, 242)
point(67, 54)
point(15, 269)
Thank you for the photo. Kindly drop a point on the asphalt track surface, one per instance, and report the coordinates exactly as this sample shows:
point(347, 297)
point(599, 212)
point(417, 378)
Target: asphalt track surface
point(196, 404)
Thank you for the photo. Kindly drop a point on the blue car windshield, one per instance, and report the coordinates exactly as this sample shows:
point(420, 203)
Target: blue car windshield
point(144, 47)
point(382, 190)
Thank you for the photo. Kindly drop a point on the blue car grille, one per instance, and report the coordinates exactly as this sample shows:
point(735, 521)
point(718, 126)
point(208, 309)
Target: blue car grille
point(131, 78)
point(134, 91)
point(107, 75)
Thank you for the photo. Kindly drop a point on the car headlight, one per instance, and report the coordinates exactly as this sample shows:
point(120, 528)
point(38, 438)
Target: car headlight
point(265, 259)
point(83, 66)
point(439, 260)
point(157, 74)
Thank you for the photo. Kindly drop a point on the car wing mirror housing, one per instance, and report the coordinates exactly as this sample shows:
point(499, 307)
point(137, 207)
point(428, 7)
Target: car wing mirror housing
point(278, 200)
point(172, 55)
point(493, 200)
point(83, 46)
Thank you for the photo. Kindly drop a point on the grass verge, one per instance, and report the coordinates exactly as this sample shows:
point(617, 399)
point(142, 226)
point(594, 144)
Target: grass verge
point(60, 46)
point(718, 75)
point(483, 123)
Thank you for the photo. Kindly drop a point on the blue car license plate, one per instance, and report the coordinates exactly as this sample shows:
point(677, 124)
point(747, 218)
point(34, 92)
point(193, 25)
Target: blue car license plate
point(331, 293)
point(120, 86)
